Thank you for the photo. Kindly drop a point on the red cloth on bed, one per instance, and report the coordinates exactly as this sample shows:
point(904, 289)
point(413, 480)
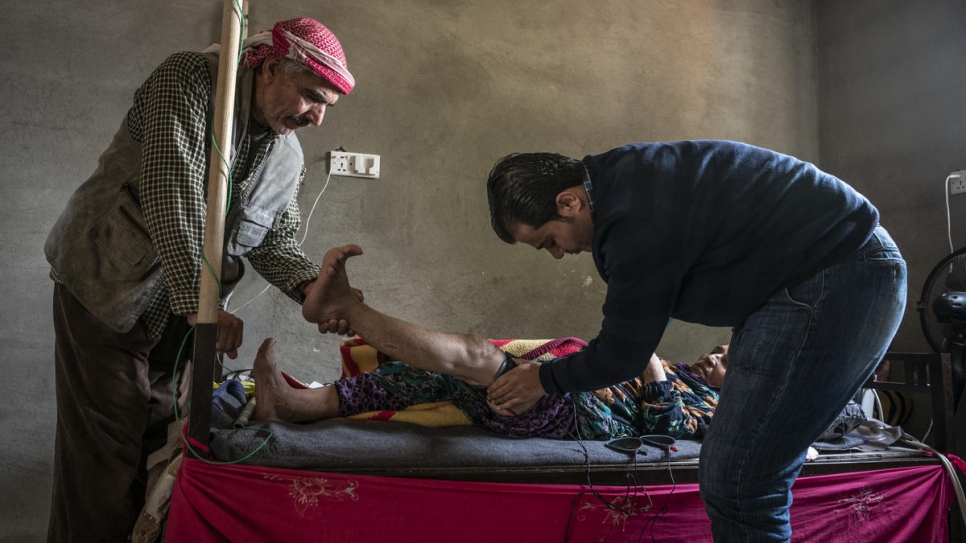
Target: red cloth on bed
point(218, 503)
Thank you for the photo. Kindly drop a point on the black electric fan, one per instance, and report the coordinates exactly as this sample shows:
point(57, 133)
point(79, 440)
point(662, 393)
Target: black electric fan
point(942, 312)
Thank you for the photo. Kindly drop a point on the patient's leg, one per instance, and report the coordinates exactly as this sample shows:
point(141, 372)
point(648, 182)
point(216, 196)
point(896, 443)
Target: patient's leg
point(276, 400)
point(467, 357)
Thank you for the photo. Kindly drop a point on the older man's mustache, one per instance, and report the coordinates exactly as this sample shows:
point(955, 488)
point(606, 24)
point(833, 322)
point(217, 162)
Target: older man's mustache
point(300, 120)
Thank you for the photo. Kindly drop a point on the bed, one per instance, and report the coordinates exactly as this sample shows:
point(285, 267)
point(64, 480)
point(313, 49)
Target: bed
point(363, 480)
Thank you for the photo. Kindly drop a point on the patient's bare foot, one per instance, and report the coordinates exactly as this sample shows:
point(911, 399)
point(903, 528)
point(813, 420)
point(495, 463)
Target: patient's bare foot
point(328, 298)
point(275, 400)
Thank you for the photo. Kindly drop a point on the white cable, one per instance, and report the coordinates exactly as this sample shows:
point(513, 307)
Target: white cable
point(950, 470)
point(878, 403)
point(311, 211)
point(949, 222)
point(305, 233)
point(928, 430)
point(878, 406)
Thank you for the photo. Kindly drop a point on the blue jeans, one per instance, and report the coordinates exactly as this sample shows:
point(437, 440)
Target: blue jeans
point(792, 367)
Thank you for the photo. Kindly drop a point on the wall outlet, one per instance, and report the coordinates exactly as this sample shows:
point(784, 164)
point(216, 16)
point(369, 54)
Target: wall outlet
point(338, 163)
point(957, 182)
point(353, 164)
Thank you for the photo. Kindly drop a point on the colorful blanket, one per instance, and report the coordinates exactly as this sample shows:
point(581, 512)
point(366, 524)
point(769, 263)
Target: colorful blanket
point(358, 357)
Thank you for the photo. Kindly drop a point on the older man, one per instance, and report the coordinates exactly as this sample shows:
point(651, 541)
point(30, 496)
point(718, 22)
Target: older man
point(126, 255)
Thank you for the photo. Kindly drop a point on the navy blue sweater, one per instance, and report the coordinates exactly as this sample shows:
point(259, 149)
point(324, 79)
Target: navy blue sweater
point(703, 232)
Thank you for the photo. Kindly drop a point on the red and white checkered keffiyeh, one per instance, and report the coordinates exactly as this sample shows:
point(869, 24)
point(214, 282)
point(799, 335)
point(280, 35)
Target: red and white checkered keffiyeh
point(307, 42)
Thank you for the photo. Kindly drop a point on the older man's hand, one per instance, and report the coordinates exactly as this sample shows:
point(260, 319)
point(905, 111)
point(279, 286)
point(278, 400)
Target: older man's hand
point(230, 331)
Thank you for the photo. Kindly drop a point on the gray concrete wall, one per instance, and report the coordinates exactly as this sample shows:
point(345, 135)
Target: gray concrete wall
point(444, 89)
point(892, 121)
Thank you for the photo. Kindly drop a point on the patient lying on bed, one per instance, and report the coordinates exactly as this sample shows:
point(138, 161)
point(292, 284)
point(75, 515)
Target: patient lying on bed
point(433, 366)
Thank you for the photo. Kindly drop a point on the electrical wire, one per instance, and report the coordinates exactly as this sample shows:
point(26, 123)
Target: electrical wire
point(878, 403)
point(627, 508)
point(174, 386)
point(667, 499)
point(928, 430)
point(881, 413)
point(950, 470)
point(305, 234)
point(949, 222)
point(211, 270)
point(184, 442)
point(590, 484)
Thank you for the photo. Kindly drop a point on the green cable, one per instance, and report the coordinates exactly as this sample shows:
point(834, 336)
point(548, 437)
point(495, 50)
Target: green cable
point(241, 35)
point(174, 384)
point(227, 168)
point(231, 184)
point(177, 416)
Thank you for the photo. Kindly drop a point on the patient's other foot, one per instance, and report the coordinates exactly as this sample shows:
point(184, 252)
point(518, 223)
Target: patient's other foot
point(276, 400)
point(328, 298)
point(272, 392)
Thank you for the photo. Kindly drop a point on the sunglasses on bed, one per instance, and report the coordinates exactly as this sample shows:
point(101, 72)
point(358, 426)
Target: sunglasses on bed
point(633, 445)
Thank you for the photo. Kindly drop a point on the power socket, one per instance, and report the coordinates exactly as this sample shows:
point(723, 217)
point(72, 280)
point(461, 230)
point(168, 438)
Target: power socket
point(957, 182)
point(338, 163)
point(353, 164)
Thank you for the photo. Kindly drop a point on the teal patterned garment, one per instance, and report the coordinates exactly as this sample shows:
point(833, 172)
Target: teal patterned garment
point(680, 407)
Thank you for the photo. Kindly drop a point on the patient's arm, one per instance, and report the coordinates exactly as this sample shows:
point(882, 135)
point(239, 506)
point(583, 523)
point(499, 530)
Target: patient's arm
point(468, 357)
point(678, 406)
point(654, 370)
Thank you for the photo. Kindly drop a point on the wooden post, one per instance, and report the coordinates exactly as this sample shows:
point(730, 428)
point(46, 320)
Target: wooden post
point(245, 14)
point(204, 359)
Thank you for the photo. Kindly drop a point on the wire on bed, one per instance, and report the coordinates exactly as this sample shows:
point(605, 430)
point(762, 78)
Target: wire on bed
point(664, 508)
point(627, 508)
point(177, 415)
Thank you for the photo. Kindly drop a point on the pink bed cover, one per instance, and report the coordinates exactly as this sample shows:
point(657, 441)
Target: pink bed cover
point(235, 503)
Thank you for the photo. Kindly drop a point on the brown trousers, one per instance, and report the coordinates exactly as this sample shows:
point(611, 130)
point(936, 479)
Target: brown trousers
point(114, 401)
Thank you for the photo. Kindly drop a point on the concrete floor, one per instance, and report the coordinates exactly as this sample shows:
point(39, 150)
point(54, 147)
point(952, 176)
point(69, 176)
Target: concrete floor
point(870, 91)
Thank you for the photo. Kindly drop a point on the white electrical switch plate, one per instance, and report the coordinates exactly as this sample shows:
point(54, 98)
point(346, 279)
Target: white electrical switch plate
point(957, 182)
point(353, 164)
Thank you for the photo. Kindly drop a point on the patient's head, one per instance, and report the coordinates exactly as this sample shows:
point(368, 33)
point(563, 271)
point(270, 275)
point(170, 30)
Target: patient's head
point(711, 366)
